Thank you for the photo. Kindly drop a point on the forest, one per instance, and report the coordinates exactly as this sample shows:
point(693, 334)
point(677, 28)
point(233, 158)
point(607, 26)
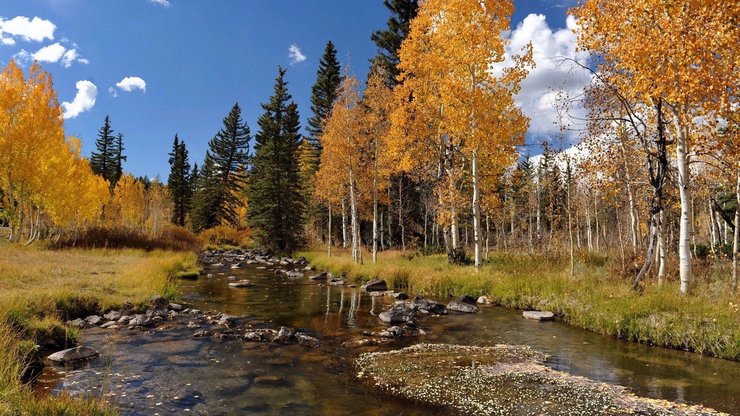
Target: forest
point(626, 214)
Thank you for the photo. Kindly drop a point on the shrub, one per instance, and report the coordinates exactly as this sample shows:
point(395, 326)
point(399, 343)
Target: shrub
point(172, 238)
point(223, 235)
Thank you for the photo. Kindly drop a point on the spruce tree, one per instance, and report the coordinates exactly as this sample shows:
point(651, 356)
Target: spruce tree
point(323, 95)
point(275, 199)
point(107, 159)
point(223, 176)
point(178, 181)
point(389, 40)
point(118, 159)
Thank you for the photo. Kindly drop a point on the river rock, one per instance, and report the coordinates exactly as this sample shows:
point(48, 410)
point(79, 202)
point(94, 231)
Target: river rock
point(73, 354)
point(226, 319)
point(399, 313)
point(202, 333)
point(429, 306)
point(294, 274)
point(284, 335)
point(271, 380)
point(280, 271)
point(158, 302)
point(320, 276)
point(464, 304)
point(375, 285)
point(366, 342)
point(79, 323)
point(110, 325)
point(93, 319)
point(241, 284)
point(112, 315)
point(484, 300)
point(336, 282)
point(138, 320)
point(260, 335)
point(175, 307)
point(400, 295)
point(307, 340)
point(539, 315)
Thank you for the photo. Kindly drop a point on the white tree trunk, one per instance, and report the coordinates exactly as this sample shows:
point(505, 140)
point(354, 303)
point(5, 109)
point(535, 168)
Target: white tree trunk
point(736, 239)
point(344, 224)
point(476, 212)
point(685, 232)
point(453, 228)
point(354, 219)
point(661, 248)
point(328, 245)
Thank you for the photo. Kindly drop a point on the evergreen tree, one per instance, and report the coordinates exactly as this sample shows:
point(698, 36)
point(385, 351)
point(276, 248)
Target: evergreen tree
point(107, 160)
point(118, 159)
point(223, 176)
point(323, 95)
point(389, 40)
point(275, 199)
point(179, 181)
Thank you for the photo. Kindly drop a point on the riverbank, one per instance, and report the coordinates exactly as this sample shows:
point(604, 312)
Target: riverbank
point(594, 299)
point(40, 289)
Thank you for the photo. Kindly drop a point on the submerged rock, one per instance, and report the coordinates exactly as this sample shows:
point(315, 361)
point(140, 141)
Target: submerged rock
point(464, 304)
point(294, 274)
point(375, 285)
point(429, 306)
point(320, 276)
point(399, 313)
point(241, 284)
point(539, 315)
point(73, 354)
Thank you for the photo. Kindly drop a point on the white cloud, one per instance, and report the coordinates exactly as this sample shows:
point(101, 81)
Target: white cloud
point(35, 29)
point(163, 3)
point(53, 53)
point(129, 84)
point(295, 54)
point(84, 100)
point(553, 75)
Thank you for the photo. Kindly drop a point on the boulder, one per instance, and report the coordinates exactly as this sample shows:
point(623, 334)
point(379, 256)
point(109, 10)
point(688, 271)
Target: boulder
point(429, 306)
point(464, 304)
point(93, 319)
point(320, 276)
point(375, 285)
point(158, 302)
point(539, 315)
point(241, 283)
point(260, 335)
point(484, 300)
point(399, 313)
point(73, 354)
point(401, 295)
point(307, 340)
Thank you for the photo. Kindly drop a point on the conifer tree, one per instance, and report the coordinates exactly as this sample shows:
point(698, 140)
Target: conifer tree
point(323, 94)
point(389, 40)
point(276, 202)
point(118, 159)
point(178, 181)
point(107, 160)
point(224, 172)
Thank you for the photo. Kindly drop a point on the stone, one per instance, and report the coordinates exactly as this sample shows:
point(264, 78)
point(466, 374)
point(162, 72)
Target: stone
point(202, 333)
point(73, 354)
point(400, 295)
point(112, 315)
point(79, 323)
point(429, 306)
point(366, 342)
point(399, 313)
point(539, 315)
point(158, 302)
point(124, 319)
point(138, 320)
point(464, 304)
point(320, 276)
point(280, 271)
point(307, 340)
point(284, 335)
point(375, 285)
point(226, 320)
point(271, 380)
point(260, 335)
point(110, 325)
point(175, 307)
point(294, 274)
point(241, 284)
point(192, 324)
point(336, 282)
point(484, 300)
point(308, 269)
point(93, 319)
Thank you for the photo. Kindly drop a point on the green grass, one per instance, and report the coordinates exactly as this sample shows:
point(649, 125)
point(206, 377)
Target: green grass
point(594, 298)
point(39, 289)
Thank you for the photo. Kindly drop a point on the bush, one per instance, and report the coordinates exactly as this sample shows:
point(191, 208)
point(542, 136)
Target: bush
point(172, 238)
point(223, 235)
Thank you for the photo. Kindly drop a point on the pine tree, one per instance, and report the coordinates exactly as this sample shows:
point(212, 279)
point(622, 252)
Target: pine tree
point(102, 161)
point(118, 159)
point(223, 176)
point(389, 40)
point(323, 95)
point(275, 198)
point(179, 181)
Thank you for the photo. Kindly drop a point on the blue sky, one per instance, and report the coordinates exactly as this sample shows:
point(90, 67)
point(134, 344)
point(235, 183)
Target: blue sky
point(197, 58)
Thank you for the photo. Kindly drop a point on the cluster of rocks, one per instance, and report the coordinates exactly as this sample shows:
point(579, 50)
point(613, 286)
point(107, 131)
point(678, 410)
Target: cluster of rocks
point(236, 258)
point(160, 309)
point(226, 326)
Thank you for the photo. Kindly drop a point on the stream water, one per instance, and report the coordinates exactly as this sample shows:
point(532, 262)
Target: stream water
point(165, 372)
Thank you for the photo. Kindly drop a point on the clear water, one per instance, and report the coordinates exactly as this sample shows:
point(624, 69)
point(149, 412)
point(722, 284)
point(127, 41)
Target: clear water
point(170, 372)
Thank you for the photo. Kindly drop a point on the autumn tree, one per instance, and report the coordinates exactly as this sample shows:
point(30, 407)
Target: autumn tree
point(276, 201)
point(447, 60)
point(686, 61)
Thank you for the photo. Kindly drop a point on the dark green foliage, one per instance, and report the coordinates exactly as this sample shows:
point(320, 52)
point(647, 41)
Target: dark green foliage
point(389, 40)
point(276, 202)
point(107, 159)
point(323, 94)
point(178, 182)
point(222, 178)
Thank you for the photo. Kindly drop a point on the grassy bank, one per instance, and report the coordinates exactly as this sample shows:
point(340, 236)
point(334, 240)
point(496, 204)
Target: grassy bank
point(39, 289)
point(593, 298)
